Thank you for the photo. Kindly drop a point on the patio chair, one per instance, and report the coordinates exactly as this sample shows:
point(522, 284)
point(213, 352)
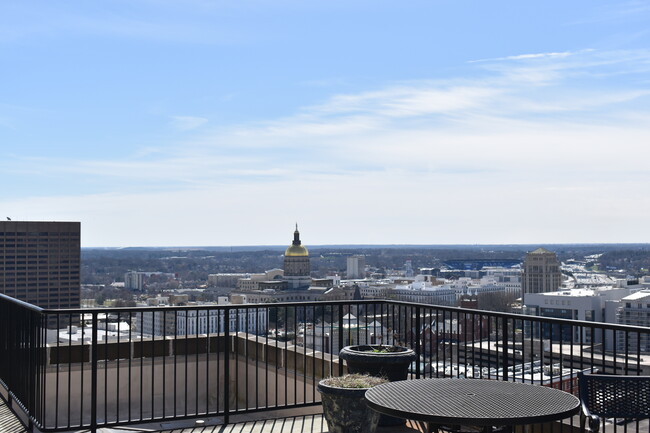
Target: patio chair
point(612, 396)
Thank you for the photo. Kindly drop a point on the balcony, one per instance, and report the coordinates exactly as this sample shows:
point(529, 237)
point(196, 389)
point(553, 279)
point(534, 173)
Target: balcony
point(63, 370)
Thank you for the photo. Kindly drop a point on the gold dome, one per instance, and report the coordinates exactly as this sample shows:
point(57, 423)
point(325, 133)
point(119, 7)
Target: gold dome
point(296, 249)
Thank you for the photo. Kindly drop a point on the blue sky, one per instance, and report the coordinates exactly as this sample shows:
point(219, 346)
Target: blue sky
point(159, 123)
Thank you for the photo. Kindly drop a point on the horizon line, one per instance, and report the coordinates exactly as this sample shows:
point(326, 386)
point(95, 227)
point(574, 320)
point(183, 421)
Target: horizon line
point(317, 246)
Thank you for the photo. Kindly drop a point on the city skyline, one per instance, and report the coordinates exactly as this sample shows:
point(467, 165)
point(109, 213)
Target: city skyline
point(200, 124)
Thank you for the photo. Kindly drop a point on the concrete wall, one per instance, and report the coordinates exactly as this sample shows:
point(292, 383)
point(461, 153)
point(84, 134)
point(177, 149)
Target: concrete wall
point(139, 388)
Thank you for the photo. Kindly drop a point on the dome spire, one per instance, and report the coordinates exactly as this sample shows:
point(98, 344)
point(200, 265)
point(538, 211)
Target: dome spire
point(296, 236)
point(296, 248)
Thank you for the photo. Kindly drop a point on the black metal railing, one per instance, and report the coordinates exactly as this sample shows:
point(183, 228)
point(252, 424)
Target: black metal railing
point(90, 368)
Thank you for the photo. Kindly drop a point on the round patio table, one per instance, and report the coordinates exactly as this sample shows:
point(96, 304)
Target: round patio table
point(472, 402)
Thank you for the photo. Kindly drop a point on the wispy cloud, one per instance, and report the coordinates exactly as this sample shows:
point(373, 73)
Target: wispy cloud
point(495, 139)
point(486, 118)
point(417, 100)
point(529, 56)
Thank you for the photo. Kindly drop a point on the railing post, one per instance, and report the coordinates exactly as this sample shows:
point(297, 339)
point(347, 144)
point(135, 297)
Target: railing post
point(341, 330)
point(93, 375)
point(417, 341)
point(226, 368)
point(504, 327)
point(32, 353)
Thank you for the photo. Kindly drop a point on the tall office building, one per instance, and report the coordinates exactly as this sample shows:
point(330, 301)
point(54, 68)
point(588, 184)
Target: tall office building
point(356, 267)
point(40, 261)
point(541, 272)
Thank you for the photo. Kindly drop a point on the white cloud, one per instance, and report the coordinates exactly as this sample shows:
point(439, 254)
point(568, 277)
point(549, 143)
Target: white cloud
point(529, 56)
point(383, 207)
point(526, 151)
point(408, 101)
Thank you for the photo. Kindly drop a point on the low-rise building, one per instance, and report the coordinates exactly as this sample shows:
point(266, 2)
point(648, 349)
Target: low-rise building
point(226, 279)
point(204, 318)
point(593, 304)
point(253, 281)
point(424, 293)
point(328, 336)
point(634, 310)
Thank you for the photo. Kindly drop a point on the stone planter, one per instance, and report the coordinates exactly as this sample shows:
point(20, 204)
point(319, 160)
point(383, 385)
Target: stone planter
point(345, 409)
point(391, 362)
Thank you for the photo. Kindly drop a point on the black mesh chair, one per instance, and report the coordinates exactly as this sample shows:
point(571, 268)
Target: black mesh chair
point(613, 396)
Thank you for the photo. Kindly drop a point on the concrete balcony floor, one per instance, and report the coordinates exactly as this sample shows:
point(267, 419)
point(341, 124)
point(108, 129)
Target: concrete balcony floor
point(305, 420)
point(9, 422)
point(287, 421)
point(280, 422)
point(294, 424)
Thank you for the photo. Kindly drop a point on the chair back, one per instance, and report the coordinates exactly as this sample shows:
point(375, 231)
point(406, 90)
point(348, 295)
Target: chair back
point(615, 396)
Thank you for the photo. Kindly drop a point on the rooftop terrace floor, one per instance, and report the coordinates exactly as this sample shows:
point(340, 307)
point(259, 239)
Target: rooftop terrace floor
point(259, 423)
point(253, 423)
point(9, 422)
point(286, 421)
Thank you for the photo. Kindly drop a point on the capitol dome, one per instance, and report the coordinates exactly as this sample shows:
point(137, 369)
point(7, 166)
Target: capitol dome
point(296, 249)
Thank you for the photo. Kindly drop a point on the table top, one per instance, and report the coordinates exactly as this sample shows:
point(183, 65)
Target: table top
point(477, 402)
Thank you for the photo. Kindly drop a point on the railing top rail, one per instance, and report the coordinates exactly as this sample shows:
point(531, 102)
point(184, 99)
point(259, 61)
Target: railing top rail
point(203, 307)
point(207, 306)
point(23, 304)
point(515, 316)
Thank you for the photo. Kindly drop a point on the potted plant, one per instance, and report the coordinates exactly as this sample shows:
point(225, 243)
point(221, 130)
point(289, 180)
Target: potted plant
point(387, 361)
point(391, 362)
point(344, 403)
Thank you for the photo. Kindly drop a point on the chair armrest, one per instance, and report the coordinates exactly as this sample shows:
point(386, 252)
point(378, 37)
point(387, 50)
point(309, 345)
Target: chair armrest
point(594, 421)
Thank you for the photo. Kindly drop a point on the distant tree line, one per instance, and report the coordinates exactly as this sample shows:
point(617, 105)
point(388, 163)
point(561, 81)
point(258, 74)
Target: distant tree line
point(104, 266)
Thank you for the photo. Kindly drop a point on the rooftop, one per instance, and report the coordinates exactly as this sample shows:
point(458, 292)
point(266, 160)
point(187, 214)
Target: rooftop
point(637, 296)
point(308, 423)
point(541, 251)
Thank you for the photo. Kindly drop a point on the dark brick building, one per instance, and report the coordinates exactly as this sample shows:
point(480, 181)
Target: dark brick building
point(40, 261)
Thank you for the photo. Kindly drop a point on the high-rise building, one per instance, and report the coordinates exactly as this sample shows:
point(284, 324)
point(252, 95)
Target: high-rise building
point(541, 272)
point(40, 261)
point(356, 267)
point(297, 269)
point(134, 280)
point(408, 269)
